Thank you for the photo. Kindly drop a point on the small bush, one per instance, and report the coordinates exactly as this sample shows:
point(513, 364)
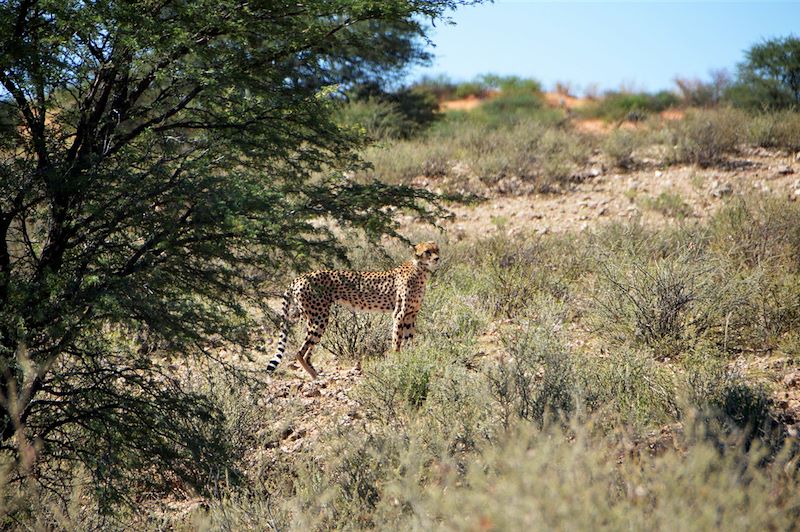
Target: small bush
point(397, 115)
point(356, 336)
point(618, 106)
point(475, 88)
point(758, 230)
point(619, 146)
point(399, 382)
point(669, 204)
point(536, 380)
point(379, 119)
point(460, 413)
point(512, 84)
point(707, 137)
point(507, 104)
point(779, 129)
point(518, 274)
point(629, 386)
point(736, 405)
point(662, 305)
point(571, 480)
point(488, 148)
point(442, 87)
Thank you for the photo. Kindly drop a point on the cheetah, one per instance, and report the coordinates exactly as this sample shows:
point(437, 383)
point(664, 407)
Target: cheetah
point(399, 291)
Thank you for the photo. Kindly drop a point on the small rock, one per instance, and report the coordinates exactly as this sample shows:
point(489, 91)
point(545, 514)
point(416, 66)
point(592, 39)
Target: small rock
point(762, 186)
point(784, 169)
point(297, 434)
point(792, 379)
point(313, 392)
point(721, 189)
point(594, 171)
point(659, 173)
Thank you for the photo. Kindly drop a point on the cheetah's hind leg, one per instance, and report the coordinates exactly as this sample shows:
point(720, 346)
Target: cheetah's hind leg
point(316, 327)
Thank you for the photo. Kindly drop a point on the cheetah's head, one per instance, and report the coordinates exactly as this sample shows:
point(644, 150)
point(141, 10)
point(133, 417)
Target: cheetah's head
point(427, 255)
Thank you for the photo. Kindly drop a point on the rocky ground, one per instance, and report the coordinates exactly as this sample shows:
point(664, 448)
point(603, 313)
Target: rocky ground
point(606, 194)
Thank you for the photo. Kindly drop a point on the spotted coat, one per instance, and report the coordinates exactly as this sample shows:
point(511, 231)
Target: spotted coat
point(399, 290)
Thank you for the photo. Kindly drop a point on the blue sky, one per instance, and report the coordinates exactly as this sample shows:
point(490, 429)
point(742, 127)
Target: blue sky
point(642, 45)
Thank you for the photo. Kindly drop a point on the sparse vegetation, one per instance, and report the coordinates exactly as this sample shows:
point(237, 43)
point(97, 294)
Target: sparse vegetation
point(707, 137)
point(618, 106)
point(669, 204)
point(658, 410)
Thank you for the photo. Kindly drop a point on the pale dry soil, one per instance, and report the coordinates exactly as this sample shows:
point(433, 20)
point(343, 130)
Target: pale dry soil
point(609, 194)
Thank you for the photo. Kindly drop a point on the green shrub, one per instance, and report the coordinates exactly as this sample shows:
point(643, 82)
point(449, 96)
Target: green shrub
point(508, 104)
point(758, 230)
point(397, 115)
point(707, 137)
point(460, 412)
point(442, 87)
point(619, 146)
point(344, 486)
point(780, 129)
point(537, 379)
point(736, 405)
point(662, 305)
point(572, 480)
point(471, 88)
point(379, 119)
point(668, 204)
point(488, 148)
point(517, 274)
point(629, 386)
point(397, 383)
point(355, 336)
point(512, 84)
point(618, 106)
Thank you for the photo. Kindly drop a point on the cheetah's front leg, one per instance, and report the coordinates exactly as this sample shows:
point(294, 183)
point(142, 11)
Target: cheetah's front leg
point(408, 327)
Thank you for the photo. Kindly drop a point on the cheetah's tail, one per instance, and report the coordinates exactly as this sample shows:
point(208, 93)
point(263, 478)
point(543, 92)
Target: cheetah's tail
point(287, 303)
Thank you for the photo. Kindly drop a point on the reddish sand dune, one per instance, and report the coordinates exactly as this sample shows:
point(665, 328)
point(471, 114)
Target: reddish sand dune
point(592, 125)
point(565, 101)
point(672, 114)
point(464, 104)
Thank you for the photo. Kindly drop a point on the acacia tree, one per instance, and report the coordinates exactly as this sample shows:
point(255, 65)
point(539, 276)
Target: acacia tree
point(163, 152)
point(769, 77)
